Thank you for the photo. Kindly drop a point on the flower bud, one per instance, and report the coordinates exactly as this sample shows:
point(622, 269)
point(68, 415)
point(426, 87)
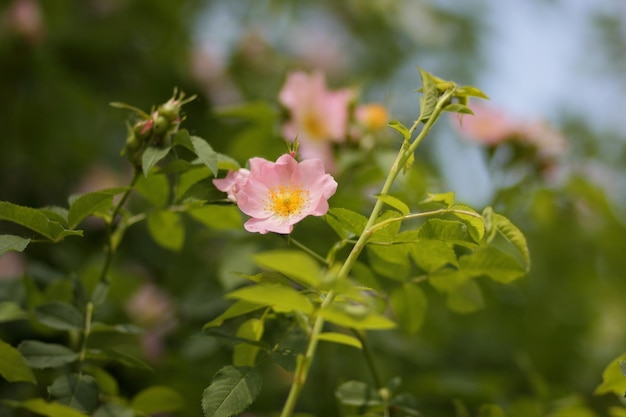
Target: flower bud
point(161, 124)
point(170, 109)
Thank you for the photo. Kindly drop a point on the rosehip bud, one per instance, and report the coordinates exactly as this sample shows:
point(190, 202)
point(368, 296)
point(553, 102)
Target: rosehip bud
point(132, 141)
point(170, 110)
point(161, 125)
point(142, 129)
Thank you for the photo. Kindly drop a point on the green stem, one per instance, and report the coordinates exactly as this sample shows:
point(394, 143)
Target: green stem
point(369, 359)
point(304, 362)
point(86, 332)
point(104, 273)
point(110, 250)
point(306, 249)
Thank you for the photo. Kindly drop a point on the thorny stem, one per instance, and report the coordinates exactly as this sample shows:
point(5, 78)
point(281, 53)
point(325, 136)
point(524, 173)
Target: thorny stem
point(304, 362)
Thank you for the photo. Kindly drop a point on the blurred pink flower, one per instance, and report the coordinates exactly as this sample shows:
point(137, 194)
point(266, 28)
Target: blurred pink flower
point(549, 142)
point(153, 309)
point(232, 183)
point(279, 195)
point(318, 116)
point(25, 18)
point(487, 126)
point(12, 265)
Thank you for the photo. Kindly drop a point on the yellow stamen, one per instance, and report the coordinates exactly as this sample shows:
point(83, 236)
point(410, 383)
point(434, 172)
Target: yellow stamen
point(287, 200)
point(315, 127)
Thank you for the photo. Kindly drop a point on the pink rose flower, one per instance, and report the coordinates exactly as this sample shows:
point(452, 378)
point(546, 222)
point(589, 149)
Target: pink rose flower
point(232, 183)
point(318, 116)
point(487, 126)
point(279, 195)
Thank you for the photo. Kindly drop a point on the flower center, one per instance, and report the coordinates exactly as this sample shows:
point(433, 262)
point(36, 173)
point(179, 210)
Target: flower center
point(315, 127)
point(287, 200)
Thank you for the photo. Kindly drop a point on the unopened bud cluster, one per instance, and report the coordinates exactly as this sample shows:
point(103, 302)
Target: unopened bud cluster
point(154, 129)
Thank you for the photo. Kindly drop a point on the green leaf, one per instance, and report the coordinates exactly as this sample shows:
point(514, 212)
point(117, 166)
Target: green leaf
point(77, 391)
point(13, 366)
point(232, 390)
point(514, 236)
point(475, 222)
point(107, 383)
point(218, 217)
point(469, 91)
point(296, 265)
point(359, 394)
point(238, 308)
point(13, 243)
point(491, 410)
point(402, 129)
point(41, 355)
point(458, 108)
point(446, 230)
point(390, 261)
point(245, 354)
point(346, 221)
point(465, 298)
point(493, 263)
point(290, 348)
point(226, 163)
point(157, 399)
point(151, 156)
point(189, 178)
point(279, 297)
point(155, 189)
point(445, 199)
point(431, 95)
point(60, 316)
point(431, 255)
point(167, 229)
point(409, 305)
point(113, 410)
point(613, 379)
point(617, 412)
point(341, 338)
point(48, 409)
point(205, 152)
point(10, 311)
point(87, 204)
point(356, 317)
point(36, 221)
point(109, 355)
point(395, 203)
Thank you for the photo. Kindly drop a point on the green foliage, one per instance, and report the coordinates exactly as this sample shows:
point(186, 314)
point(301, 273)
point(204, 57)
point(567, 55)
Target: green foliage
point(36, 220)
point(13, 366)
point(40, 355)
point(232, 390)
point(613, 378)
point(157, 399)
point(77, 391)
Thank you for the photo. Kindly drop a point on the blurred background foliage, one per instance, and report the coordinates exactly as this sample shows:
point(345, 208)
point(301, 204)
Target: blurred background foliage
point(535, 347)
